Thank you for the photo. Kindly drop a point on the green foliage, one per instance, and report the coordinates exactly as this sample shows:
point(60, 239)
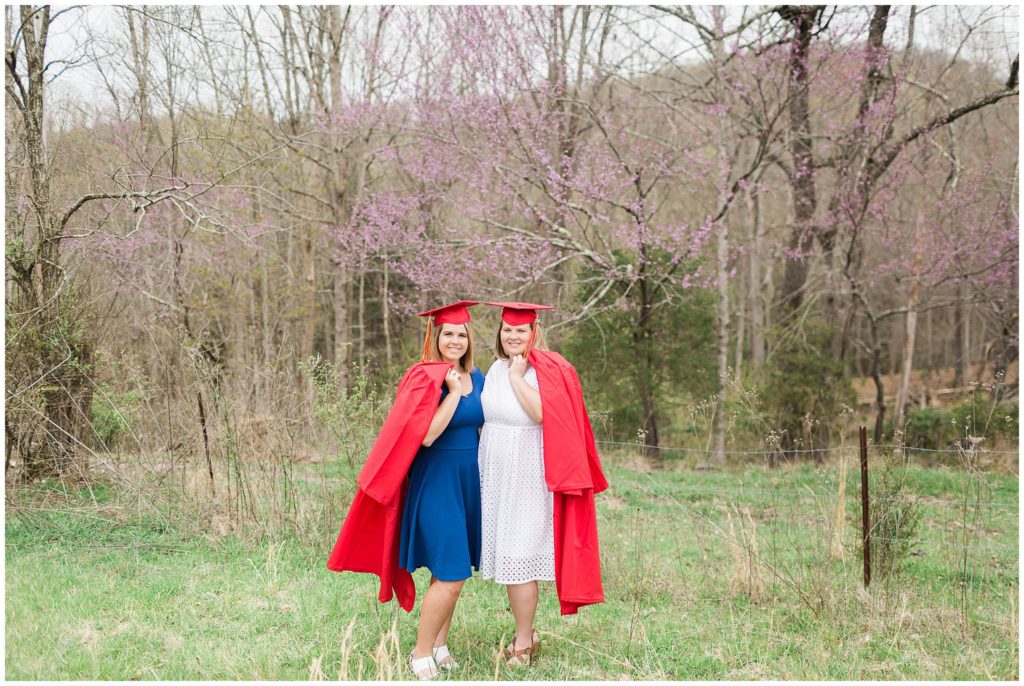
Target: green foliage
point(113, 414)
point(604, 351)
point(978, 416)
point(352, 415)
point(750, 420)
point(895, 516)
point(936, 428)
point(927, 427)
point(15, 250)
point(49, 359)
point(805, 389)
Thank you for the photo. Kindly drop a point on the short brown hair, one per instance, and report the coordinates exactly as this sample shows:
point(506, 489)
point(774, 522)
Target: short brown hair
point(538, 341)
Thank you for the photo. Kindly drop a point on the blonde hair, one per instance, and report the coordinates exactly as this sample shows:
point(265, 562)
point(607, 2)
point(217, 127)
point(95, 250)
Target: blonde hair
point(538, 340)
point(434, 354)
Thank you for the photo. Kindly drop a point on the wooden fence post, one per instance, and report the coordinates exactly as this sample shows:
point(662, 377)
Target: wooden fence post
point(864, 505)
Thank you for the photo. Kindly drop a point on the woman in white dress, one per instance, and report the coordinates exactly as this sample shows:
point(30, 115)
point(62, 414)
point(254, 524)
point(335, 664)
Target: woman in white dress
point(517, 509)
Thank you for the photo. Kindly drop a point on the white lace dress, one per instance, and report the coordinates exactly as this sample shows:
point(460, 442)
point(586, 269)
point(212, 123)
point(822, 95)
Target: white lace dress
point(518, 530)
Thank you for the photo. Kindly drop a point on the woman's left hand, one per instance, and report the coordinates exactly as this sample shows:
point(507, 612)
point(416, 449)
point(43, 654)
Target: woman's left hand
point(517, 366)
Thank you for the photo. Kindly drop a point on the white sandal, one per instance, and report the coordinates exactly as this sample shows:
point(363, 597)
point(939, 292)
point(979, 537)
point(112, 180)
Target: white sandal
point(425, 668)
point(441, 654)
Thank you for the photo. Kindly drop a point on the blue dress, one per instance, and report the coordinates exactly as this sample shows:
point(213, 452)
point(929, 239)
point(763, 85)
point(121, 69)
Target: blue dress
point(441, 517)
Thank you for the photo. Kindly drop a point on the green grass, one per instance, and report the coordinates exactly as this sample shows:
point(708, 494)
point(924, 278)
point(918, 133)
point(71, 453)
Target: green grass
point(107, 585)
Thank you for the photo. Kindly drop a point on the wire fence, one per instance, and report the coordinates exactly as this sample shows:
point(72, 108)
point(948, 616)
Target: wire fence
point(774, 492)
point(806, 490)
point(750, 493)
point(808, 451)
point(964, 530)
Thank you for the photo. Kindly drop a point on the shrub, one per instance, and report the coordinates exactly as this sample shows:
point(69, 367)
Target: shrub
point(936, 428)
point(50, 352)
point(682, 367)
point(895, 516)
point(977, 416)
point(805, 389)
point(928, 427)
point(113, 414)
point(353, 416)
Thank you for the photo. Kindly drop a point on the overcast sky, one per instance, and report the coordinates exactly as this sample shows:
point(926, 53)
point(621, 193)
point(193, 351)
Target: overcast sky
point(85, 32)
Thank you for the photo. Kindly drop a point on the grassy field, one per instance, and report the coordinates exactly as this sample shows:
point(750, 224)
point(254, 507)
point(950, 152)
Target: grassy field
point(736, 574)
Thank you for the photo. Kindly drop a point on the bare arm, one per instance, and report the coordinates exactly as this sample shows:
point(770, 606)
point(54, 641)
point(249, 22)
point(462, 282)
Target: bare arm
point(527, 395)
point(444, 414)
point(446, 410)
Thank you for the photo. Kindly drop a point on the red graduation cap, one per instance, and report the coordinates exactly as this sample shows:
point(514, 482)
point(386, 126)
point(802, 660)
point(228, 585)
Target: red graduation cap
point(519, 313)
point(456, 313)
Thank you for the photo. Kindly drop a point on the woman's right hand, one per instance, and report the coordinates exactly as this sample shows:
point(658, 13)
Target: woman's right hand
point(527, 395)
point(454, 381)
point(517, 366)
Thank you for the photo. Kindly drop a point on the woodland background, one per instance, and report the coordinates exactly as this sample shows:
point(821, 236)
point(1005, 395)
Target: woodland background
point(737, 211)
point(761, 226)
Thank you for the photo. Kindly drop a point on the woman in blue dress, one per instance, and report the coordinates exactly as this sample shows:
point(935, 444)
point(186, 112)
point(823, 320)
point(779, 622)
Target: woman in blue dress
point(441, 515)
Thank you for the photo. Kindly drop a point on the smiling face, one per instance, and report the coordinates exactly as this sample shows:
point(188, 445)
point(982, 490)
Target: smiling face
point(453, 342)
point(514, 338)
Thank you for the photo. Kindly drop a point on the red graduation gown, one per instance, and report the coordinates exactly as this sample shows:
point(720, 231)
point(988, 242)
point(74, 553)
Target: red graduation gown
point(369, 538)
point(573, 473)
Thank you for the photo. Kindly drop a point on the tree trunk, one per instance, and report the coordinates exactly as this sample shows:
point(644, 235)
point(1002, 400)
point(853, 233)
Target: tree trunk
point(908, 358)
point(1007, 351)
point(61, 363)
point(967, 357)
point(567, 108)
point(911, 335)
point(740, 329)
point(961, 358)
point(929, 360)
point(876, 375)
point(59, 454)
point(291, 97)
point(267, 330)
point(854, 179)
point(210, 62)
point(342, 333)
point(643, 342)
point(801, 148)
point(723, 341)
point(307, 345)
point(385, 306)
point(346, 182)
point(754, 283)
point(722, 262)
point(262, 67)
point(362, 318)
point(140, 68)
point(897, 339)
